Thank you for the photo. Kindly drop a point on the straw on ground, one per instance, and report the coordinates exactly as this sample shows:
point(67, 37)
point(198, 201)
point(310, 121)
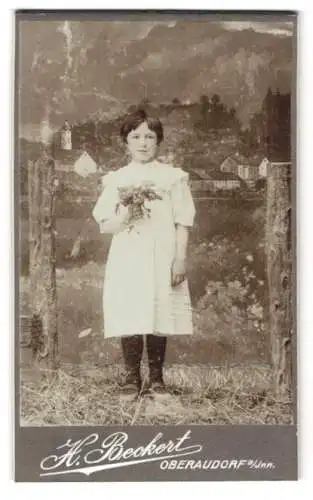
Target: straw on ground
point(200, 395)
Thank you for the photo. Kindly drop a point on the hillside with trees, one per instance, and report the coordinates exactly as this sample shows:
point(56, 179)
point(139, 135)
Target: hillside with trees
point(200, 134)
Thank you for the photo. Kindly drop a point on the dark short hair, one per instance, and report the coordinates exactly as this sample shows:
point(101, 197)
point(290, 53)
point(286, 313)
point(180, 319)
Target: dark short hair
point(133, 120)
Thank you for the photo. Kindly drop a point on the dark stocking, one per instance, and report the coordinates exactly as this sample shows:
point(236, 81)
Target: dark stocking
point(132, 351)
point(156, 347)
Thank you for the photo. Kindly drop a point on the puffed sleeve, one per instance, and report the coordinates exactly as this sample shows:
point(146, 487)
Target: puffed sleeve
point(182, 202)
point(106, 212)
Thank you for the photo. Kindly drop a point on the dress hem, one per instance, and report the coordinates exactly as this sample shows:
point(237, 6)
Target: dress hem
point(161, 334)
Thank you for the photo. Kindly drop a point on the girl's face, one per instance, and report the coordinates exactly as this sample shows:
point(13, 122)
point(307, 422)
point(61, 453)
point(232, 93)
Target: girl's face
point(142, 143)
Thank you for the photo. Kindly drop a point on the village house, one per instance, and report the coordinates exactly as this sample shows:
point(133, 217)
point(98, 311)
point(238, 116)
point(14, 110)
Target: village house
point(224, 181)
point(75, 160)
point(263, 167)
point(77, 175)
point(229, 165)
point(72, 160)
point(201, 180)
point(248, 169)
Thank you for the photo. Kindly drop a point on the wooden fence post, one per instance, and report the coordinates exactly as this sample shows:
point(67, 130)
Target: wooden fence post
point(42, 259)
point(278, 253)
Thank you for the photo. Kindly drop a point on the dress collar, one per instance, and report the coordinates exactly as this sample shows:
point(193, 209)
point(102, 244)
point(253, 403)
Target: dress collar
point(150, 164)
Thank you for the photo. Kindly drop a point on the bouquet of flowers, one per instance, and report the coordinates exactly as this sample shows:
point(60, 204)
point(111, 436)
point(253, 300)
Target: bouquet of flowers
point(134, 197)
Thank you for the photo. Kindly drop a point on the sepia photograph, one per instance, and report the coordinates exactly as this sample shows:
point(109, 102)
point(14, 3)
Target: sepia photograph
point(155, 206)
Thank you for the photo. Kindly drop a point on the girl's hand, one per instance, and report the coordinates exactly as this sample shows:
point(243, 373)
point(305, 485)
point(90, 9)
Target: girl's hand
point(178, 271)
point(133, 212)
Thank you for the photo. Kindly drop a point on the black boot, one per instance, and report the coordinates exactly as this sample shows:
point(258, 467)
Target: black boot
point(156, 347)
point(132, 352)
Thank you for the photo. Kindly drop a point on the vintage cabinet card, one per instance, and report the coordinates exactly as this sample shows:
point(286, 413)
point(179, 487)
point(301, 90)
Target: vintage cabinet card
point(155, 174)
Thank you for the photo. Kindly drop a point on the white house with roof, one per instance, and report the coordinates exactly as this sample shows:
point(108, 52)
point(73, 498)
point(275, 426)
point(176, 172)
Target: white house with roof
point(248, 169)
point(248, 172)
point(229, 165)
point(78, 161)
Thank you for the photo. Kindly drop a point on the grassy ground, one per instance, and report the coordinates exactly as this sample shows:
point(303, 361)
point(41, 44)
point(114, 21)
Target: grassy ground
point(199, 395)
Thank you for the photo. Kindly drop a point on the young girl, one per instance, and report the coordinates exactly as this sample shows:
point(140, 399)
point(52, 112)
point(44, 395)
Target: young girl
point(145, 287)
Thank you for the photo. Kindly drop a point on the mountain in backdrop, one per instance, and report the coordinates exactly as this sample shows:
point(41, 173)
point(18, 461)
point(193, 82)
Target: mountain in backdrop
point(100, 68)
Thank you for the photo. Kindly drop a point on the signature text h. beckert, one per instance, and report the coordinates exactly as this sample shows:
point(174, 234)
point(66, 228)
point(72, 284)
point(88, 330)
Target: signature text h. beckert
point(85, 455)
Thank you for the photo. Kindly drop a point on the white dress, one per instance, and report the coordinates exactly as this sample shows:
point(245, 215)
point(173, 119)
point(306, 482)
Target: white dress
point(137, 295)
